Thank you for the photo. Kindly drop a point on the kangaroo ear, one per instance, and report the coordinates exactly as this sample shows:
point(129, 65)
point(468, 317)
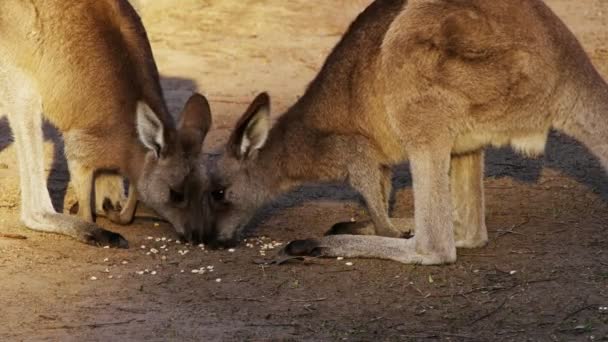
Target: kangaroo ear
point(194, 123)
point(252, 129)
point(150, 129)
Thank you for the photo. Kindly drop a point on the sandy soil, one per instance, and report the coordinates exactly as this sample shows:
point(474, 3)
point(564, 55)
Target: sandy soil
point(543, 277)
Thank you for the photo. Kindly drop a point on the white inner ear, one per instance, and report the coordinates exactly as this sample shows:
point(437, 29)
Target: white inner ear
point(149, 128)
point(256, 132)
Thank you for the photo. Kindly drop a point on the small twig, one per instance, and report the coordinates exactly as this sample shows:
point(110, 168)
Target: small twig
point(503, 232)
point(508, 332)
point(573, 313)
point(478, 255)
point(13, 236)
point(308, 300)
point(95, 325)
point(478, 289)
point(246, 299)
point(489, 313)
point(420, 336)
point(534, 281)
point(273, 325)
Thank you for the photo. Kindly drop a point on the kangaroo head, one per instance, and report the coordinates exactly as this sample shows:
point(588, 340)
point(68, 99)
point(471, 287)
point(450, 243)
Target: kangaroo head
point(238, 185)
point(172, 175)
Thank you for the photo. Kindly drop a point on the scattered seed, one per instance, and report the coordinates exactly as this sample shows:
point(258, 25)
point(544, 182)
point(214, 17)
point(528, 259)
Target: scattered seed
point(124, 262)
point(106, 259)
point(143, 247)
point(512, 272)
point(340, 258)
point(153, 272)
point(106, 247)
point(181, 271)
point(218, 280)
point(150, 238)
point(163, 239)
point(195, 271)
point(107, 270)
point(153, 250)
point(349, 263)
point(164, 257)
point(156, 224)
point(231, 250)
point(140, 272)
point(93, 278)
point(110, 276)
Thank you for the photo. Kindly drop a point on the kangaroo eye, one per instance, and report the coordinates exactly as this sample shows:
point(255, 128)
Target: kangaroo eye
point(176, 196)
point(219, 195)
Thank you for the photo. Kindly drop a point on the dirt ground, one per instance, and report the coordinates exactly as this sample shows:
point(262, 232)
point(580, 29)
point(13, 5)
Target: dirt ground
point(543, 276)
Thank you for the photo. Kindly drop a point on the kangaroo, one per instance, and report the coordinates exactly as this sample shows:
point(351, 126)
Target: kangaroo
point(428, 81)
point(87, 67)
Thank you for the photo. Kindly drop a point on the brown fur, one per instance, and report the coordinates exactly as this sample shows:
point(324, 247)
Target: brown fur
point(91, 73)
point(432, 82)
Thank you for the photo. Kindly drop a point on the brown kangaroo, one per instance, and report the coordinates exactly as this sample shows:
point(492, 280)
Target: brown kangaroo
point(429, 81)
point(87, 67)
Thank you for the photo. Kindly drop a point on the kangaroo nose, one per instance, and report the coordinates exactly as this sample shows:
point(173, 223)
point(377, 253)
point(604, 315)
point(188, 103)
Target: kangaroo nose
point(193, 236)
point(216, 242)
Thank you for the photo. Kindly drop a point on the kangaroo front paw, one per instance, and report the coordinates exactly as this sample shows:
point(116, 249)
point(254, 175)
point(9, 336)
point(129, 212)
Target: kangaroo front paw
point(308, 247)
point(111, 211)
point(101, 237)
